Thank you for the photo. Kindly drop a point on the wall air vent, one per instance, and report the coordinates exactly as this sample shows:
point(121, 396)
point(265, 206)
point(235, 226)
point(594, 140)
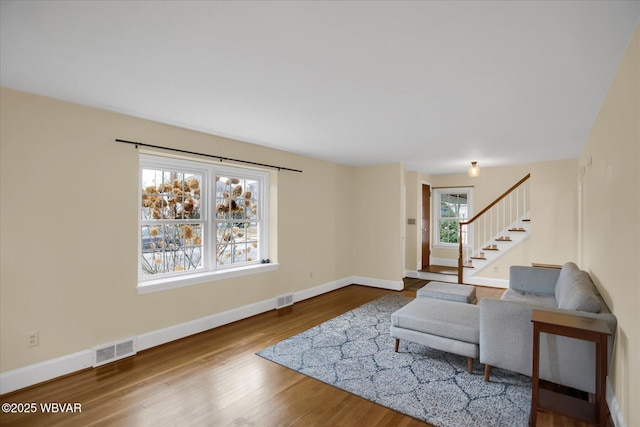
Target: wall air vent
point(284, 301)
point(108, 353)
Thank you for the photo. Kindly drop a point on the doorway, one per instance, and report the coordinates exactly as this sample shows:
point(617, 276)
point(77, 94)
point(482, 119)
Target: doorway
point(426, 225)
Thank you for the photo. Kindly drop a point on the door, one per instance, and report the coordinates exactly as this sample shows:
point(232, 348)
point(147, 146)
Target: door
point(426, 224)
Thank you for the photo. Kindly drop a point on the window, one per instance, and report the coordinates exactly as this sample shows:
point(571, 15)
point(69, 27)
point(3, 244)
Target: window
point(199, 218)
point(236, 222)
point(453, 206)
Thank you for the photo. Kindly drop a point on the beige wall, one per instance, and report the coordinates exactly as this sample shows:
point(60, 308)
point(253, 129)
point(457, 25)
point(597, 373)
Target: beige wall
point(377, 222)
point(69, 226)
point(610, 207)
point(553, 205)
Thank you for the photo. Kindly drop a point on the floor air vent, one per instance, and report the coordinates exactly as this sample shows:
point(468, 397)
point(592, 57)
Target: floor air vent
point(115, 351)
point(284, 301)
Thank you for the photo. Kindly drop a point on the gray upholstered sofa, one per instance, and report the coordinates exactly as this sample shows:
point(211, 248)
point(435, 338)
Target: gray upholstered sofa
point(506, 330)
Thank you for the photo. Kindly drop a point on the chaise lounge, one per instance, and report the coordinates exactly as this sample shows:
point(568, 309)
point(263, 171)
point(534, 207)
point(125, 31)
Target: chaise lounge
point(500, 332)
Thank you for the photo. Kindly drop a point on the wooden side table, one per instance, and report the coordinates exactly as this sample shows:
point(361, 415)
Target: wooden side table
point(595, 330)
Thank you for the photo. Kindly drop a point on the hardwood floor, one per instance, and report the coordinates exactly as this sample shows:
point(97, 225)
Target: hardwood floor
point(215, 379)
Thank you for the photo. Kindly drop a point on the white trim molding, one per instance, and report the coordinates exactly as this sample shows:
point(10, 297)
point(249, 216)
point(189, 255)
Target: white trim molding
point(321, 289)
point(411, 273)
point(446, 262)
point(204, 277)
point(44, 371)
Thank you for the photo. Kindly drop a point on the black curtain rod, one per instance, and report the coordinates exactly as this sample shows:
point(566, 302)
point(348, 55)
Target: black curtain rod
point(140, 144)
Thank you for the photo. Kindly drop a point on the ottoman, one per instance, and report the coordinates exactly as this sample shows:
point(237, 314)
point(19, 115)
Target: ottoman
point(441, 324)
point(449, 292)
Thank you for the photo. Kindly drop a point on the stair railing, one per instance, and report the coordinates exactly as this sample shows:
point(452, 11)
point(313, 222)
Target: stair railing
point(496, 216)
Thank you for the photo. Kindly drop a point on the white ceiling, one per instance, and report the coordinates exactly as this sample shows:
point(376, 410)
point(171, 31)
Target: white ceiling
point(432, 84)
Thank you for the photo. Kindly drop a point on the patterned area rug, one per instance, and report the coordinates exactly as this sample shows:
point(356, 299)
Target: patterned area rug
point(354, 352)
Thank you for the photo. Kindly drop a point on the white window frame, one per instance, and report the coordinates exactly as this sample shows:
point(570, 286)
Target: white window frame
point(438, 193)
point(210, 271)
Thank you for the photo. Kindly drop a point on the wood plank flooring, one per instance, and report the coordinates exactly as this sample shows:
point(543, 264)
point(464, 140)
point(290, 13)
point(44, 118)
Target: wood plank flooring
point(215, 379)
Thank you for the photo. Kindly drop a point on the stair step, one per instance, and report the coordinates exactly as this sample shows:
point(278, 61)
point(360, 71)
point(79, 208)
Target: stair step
point(518, 229)
point(478, 257)
point(503, 239)
point(527, 220)
point(491, 248)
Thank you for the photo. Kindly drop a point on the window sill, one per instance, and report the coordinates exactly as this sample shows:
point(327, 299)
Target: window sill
point(149, 286)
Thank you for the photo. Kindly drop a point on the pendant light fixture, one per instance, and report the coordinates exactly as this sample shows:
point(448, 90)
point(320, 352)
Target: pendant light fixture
point(474, 170)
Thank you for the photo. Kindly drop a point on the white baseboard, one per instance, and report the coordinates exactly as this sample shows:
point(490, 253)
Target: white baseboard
point(49, 369)
point(438, 277)
point(44, 371)
point(411, 273)
point(321, 289)
point(614, 406)
point(163, 336)
point(181, 330)
point(446, 262)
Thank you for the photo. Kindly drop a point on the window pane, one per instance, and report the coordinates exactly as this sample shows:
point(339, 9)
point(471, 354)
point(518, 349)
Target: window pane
point(252, 232)
point(449, 229)
point(170, 195)
point(236, 198)
point(171, 248)
point(447, 210)
point(453, 205)
point(236, 243)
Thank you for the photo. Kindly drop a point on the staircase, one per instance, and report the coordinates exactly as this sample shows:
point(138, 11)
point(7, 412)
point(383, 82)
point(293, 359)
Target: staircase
point(491, 233)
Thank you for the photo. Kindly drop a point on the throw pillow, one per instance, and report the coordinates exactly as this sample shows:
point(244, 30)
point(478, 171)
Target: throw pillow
point(579, 294)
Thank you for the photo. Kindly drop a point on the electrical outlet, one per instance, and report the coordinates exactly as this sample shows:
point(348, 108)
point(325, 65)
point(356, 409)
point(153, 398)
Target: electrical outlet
point(33, 339)
point(496, 269)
